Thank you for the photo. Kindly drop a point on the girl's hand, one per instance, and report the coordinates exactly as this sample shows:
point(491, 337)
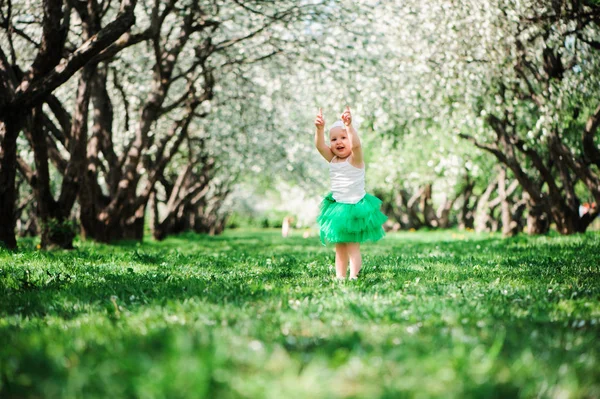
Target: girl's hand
point(320, 121)
point(347, 117)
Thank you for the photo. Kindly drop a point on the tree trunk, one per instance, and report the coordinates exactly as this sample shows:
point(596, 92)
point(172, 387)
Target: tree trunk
point(9, 131)
point(510, 217)
point(517, 211)
point(91, 197)
point(506, 216)
point(203, 215)
point(443, 212)
point(26, 217)
point(57, 229)
point(465, 215)
point(429, 216)
point(565, 209)
point(55, 226)
point(482, 211)
point(187, 195)
point(412, 210)
point(537, 218)
point(132, 228)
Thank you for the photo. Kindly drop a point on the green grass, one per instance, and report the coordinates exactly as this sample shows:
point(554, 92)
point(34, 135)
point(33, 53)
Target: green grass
point(249, 314)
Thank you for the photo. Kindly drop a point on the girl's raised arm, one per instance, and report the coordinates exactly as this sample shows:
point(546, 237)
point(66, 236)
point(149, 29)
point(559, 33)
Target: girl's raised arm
point(357, 154)
point(324, 150)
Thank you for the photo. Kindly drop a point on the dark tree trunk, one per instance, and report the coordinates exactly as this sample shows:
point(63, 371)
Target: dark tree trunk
point(537, 218)
point(91, 197)
point(55, 231)
point(466, 215)
point(186, 195)
point(518, 223)
point(10, 127)
point(414, 221)
point(203, 215)
point(565, 207)
point(132, 228)
point(429, 216)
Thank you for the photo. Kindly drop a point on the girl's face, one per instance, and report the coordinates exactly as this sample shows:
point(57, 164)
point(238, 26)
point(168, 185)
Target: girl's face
point(340, 142)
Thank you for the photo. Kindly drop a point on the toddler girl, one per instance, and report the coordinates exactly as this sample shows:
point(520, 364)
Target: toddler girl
point(348, 214)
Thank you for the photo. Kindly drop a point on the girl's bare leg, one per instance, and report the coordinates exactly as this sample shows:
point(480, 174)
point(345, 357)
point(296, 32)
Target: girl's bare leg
point(355, 258)
point(341, 260)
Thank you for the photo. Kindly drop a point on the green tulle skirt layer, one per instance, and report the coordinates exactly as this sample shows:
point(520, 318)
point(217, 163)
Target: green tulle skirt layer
point(358, 222)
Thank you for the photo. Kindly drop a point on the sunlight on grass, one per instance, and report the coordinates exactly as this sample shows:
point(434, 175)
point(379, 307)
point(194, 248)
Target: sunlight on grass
point(250, 314)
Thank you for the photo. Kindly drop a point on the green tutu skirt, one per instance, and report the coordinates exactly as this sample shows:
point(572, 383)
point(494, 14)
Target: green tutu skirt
point(358, 222)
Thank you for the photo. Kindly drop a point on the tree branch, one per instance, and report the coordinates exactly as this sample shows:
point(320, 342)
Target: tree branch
point(27, 94)
point(487, 147)
point(275, 18)
point(25, 170)
point(537, 162)
point(62, 116)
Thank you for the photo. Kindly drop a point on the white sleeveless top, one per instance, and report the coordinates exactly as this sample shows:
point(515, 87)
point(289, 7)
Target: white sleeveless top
point(347, 182)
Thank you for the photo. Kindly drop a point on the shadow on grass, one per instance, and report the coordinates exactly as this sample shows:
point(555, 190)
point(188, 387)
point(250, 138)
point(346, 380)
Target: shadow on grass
point(140, 289)
point(235, 268)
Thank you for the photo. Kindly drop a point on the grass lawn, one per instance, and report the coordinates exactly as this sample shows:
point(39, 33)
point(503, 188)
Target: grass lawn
point(249, 314)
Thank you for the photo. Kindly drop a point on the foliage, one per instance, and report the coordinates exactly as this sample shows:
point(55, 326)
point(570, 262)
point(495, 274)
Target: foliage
point(249, 314)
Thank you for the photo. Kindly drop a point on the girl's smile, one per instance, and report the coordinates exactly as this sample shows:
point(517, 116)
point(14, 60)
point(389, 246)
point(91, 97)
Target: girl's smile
point(340, 143)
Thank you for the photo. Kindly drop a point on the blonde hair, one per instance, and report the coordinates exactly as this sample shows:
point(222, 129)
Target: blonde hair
point(337, 123)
